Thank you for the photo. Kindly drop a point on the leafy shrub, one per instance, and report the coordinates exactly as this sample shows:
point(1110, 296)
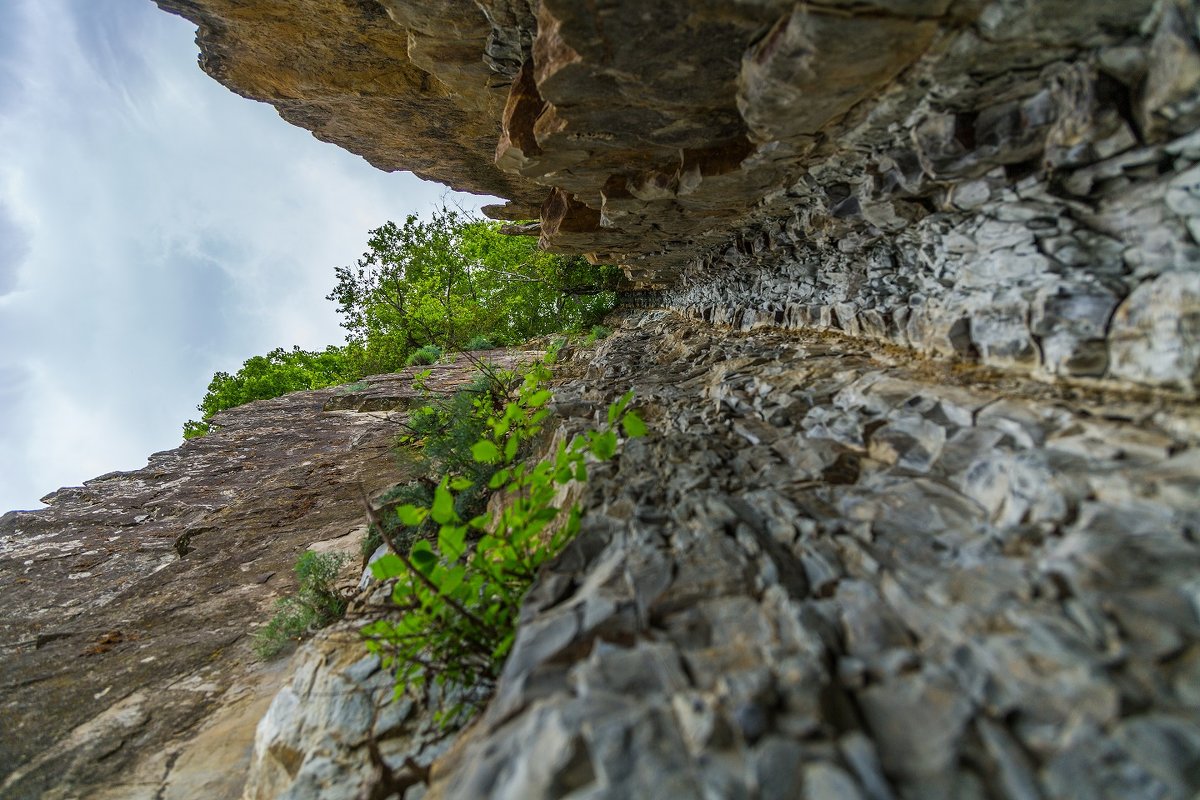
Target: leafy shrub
point(429, 354)
point(460, 600)
point(597, 333)
point(441, 433)
point(315, 605)
point(414, 492)
point(478, 342)
point(437, 441)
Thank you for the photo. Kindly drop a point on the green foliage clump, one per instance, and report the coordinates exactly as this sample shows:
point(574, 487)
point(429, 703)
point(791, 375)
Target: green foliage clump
point(417, 492)
point(597, 333)
point(452, 278)
point(439, 435)
point(437, 441)
point(263, 377)
point(460, 598)
point(478, 342)
point(428, 354)
point(315, 604)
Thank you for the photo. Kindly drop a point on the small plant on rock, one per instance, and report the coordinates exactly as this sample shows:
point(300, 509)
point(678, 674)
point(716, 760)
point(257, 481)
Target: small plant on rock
point(597, 333)
point(315, 605)
point(479, 342)
point(460, 591)
point(429, 354)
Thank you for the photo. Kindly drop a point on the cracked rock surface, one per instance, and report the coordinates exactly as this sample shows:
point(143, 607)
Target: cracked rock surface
point(831, 573)
point(644, 133)
point(129, 603)
point(1009, 182)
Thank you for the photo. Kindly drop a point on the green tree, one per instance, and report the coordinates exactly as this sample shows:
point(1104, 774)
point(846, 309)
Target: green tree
point(452, 278)
point(263, 377)
point(452, 282)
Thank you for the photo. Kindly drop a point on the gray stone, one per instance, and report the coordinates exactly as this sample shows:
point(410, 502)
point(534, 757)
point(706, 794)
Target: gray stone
point(1155, 335)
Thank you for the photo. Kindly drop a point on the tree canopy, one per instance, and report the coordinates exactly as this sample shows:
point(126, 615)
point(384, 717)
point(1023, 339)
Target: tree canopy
point(450, 278)
point(451, 281)
point(263, 377)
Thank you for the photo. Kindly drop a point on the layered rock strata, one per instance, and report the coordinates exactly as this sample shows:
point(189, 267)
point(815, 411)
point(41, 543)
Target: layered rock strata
point(1096, 276)
point(129, 603)
point(1009, 181)
point(830, 571)
point(834, 573)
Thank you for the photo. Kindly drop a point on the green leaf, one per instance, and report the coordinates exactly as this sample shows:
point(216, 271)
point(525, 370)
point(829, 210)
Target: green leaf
point(538, 399)
point(480, 522)
point(510, 448)
point(451, 541)
point(422, 556)
point(453, 580)
point(443, 505)
point(499, 479)
point(485, 452)
point(388, 566)
point(633, 425)
point(460, 484)
point(411, 515)
point(617, 407)
point(545, 514)
point(604, 445)
point(503, 647)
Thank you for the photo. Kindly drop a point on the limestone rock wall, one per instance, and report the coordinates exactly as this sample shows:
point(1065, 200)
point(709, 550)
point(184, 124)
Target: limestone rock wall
point(642, 133)
point(1094, 275)
point(1014, 182)
point(833, 572)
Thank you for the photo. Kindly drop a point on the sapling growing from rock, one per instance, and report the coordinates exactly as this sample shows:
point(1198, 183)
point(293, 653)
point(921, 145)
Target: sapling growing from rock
point(460, 591)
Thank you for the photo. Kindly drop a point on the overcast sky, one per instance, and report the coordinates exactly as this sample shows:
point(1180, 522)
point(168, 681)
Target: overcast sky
point(154, 228)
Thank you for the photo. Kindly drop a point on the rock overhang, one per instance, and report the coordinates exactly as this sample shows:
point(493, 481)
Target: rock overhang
point(645, 133)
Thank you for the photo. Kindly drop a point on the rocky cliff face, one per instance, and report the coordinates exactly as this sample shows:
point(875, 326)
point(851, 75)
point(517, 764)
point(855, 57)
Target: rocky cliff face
point(1008, 181)
point(129, 603)
point(918, 514)
point(833, 572)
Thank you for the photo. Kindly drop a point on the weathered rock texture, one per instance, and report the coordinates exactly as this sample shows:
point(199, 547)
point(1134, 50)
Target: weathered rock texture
point(1102, 284)
point(128, 604)
point(833, 574)
point(1001, 180)
point(830, 571)
point(835, 569)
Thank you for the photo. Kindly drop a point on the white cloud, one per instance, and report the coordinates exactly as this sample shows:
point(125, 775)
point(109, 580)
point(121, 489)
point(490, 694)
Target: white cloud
point(167, 228)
